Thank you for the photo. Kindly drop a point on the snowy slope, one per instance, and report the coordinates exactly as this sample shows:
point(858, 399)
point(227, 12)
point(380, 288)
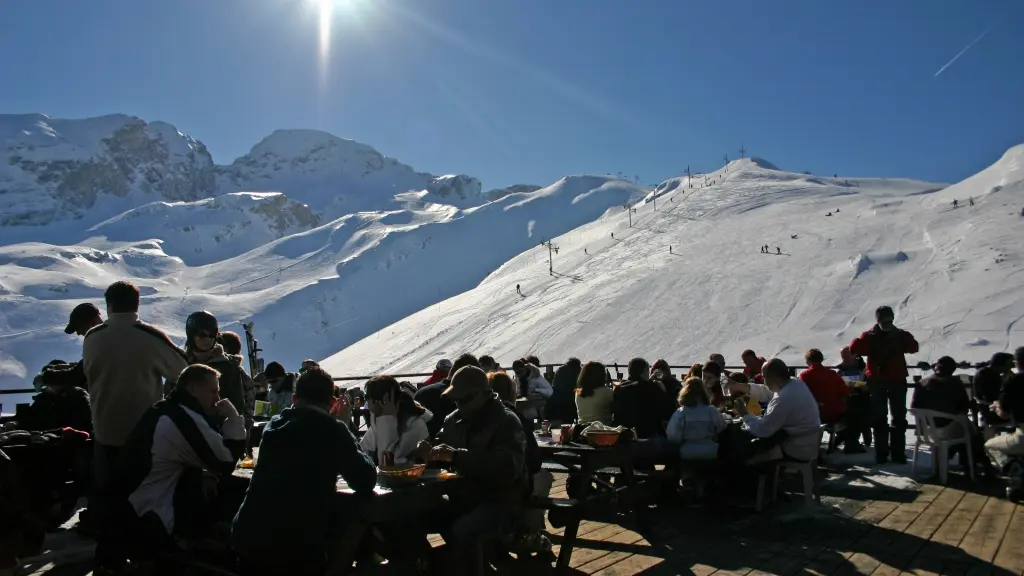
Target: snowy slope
point(311, 291)
point(953, 276)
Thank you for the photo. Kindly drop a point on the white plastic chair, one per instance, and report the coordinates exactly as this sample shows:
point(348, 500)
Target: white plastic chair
point(941, 439)
point(807, 470)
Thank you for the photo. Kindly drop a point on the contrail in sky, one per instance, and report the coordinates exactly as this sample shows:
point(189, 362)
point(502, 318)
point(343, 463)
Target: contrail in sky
point(966, 48)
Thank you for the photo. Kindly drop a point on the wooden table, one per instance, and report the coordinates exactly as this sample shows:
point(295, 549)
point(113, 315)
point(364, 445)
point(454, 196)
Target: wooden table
point(384, 505)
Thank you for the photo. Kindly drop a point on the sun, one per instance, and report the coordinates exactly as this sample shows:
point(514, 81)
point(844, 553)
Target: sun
point(326, 12)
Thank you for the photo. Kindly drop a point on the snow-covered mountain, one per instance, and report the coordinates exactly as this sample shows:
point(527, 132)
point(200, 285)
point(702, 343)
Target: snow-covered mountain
point(91, 170)
point(688, 279)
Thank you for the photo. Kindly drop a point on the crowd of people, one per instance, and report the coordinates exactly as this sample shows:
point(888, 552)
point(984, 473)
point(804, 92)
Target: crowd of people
point(168, 424)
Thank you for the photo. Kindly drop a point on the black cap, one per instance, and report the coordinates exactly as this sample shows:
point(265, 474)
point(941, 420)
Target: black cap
point(81, 313)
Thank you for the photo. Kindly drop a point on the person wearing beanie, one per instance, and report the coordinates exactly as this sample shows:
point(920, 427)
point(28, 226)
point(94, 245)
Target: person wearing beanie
point(441, 370)
point(280, 386)
point(201, 347)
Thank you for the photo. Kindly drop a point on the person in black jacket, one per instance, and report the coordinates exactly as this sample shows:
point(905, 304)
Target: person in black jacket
point(988, 383)
point(291, 515)
point(61, 403)
point(482, 441)
point(641, 404)
point(561, 406)
point(432, 396)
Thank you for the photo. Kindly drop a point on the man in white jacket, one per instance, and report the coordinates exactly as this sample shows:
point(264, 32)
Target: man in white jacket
point(533, 386)
point(791, 408)
point(397, 423)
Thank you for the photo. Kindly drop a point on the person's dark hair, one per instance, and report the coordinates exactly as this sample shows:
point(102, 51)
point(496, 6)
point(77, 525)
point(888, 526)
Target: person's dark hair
point(574, 362)
point(463, 361)
point(503, 385)
point(533, 360)
point(487, 363)
point(739, 378)
point(945, 366)
point(231, 342)
point(408, 387)
point(715, 356)
point(693, 393)
point(711, 367)
point(592, 376)
point(379, 386)
point(122, 296)
point(637, 368)
point(518, 365)
point(748, 353)
point(884, 312)
point(814, 356)
point(661, 364)
point(696, 371)
point(193, 374)
point(775, 368)
point(274, 370)
point(315, 386)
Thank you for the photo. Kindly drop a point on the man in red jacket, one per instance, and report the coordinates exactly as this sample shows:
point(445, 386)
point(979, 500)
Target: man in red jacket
point(885, 346)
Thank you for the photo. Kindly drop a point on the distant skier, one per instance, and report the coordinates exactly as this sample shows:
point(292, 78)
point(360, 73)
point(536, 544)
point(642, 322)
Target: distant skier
point(955, 203)
point(519, 290)
point(669, 249)
point(970, 200)
point(778, 251)
point(613, 235)
point(793, 236)
point(585, 252)
point(829, 214)
point(837, 210)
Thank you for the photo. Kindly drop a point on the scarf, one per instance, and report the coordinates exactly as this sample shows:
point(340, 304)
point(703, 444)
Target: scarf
point(181, 397)
point(200, 357)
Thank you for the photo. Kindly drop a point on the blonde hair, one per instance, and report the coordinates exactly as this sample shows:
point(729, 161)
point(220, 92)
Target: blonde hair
point(693, 393)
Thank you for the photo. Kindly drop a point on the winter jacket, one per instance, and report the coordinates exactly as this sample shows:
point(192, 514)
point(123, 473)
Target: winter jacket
point(854, 369)
point(533, 460)
point(280, 391)
point(64, 407)
point(829, 389)
point(172, 437)
point(440, 406)
point(885, 353)
point(1011, 397)
point(669, 382)
point(561, 406)
point(383, 435)
point(126, 362)
point(695, 430)
point(987, 384)
point(794, 411)
point(536, 387)
point(434, 378)
point(941, 394)
point(235, 384)
point(302, 453)
point(754, 374)
point(490, 453)
point(643, 406)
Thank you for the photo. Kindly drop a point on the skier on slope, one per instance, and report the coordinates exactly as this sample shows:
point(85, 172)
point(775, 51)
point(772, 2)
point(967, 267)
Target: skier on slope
point(518, 290)
point(955, 203)
point(970, 200)
point(778, 251)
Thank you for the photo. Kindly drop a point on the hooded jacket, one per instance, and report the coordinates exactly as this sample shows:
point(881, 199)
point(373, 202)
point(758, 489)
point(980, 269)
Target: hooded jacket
point(383, 435)
point(235, 384)
point(885, 352)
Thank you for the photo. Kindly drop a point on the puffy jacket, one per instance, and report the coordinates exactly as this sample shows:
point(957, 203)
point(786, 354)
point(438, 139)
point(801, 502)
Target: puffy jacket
point(490, 452)
point(695, 430)
point(536, 386)
point(885, 352)
point(436, 377)
point(829, 389)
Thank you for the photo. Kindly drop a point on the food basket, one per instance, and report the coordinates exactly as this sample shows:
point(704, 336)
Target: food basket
point(399, 474)
point(602, 437)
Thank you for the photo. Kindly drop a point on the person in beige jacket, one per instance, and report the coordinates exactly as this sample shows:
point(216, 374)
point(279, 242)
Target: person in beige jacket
point(125, 362)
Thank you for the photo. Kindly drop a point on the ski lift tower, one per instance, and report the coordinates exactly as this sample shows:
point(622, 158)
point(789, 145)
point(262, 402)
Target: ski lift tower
point(551, 267)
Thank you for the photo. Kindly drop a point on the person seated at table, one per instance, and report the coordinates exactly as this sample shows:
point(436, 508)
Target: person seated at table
point(988, 382)
point(171, 463)
point(661, 374)
point(695, 426)
point(833, 396)
point(851, 366)
point(533, 386)
point(711, 376)
point(61, 403)
point(397, 422)
point(790, 425)
point(944, 392)
point(529, 536)
point(641, 404)
point(291, 516)
point(593, 396)
point(483, 442)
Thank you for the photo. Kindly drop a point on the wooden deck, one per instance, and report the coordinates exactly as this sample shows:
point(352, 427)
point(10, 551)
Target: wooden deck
point(956, 530)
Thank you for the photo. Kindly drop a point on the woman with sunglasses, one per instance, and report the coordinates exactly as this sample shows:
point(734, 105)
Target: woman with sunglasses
point(397, 422)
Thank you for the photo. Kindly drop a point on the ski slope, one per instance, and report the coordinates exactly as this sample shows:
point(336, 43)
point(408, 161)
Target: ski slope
point(311, 288)
point(953, 276)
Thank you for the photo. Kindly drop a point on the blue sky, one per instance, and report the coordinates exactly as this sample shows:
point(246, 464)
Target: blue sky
point(531, 90)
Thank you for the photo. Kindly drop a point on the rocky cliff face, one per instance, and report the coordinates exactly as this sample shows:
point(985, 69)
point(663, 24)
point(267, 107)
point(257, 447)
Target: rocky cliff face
point(55, 169)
